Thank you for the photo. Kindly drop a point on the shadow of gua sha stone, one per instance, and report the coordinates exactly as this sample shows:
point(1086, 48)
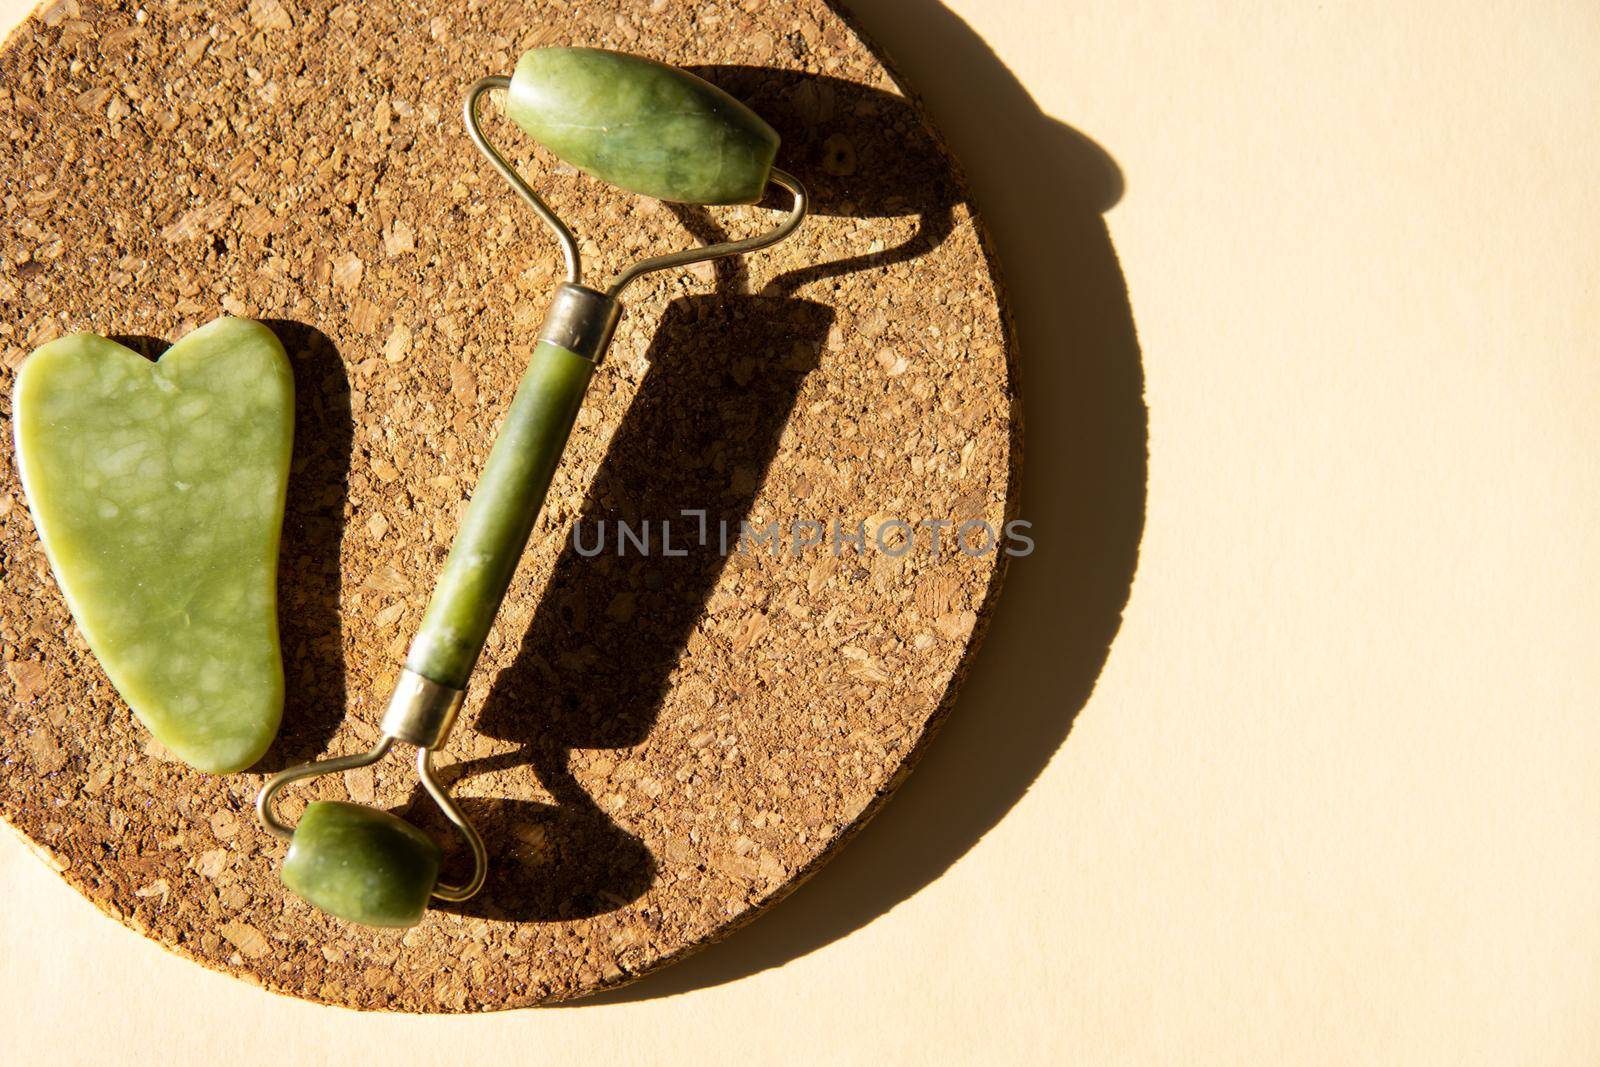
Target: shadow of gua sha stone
point(158, 492)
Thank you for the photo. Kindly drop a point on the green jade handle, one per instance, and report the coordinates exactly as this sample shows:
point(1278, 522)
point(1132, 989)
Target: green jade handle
point(512, 487)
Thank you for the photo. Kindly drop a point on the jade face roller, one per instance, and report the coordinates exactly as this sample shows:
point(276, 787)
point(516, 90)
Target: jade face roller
point(650, 129)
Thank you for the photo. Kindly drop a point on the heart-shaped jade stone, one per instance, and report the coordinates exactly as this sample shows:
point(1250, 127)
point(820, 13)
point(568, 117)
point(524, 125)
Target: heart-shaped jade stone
point(158, 491)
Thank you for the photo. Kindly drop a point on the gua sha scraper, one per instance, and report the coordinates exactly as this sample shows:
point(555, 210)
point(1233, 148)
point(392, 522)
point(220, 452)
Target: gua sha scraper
point(158, 491)
point(648, 128)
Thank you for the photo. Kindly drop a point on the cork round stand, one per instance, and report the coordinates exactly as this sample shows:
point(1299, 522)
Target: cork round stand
point(655, 746)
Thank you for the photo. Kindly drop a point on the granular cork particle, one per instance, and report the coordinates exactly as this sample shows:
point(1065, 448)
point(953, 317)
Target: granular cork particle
point(655, 746)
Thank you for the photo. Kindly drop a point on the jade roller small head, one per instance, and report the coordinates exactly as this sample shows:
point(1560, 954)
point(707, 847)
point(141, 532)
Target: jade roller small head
point(645, 127)
point(363, 864)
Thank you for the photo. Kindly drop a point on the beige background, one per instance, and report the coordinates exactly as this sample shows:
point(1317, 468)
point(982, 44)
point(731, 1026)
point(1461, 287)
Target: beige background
point(1335, 797)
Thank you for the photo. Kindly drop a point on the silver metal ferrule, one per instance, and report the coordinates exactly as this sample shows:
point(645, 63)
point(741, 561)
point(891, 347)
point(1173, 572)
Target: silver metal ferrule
point(421, 711)
point(581, 320)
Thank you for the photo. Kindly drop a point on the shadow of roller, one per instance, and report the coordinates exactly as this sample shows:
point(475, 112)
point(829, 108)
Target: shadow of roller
point(861, 152)
point(598, 655)
point(1042, 188)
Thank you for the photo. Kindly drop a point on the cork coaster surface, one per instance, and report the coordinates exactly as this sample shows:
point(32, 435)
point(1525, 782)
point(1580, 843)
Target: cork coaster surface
point(654, 745)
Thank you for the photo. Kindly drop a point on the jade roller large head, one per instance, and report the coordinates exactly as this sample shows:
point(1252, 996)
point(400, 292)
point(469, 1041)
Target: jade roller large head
point(648, 128)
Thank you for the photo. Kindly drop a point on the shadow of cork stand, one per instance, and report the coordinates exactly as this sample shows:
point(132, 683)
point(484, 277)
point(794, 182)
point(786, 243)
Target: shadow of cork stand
point(1082, 375)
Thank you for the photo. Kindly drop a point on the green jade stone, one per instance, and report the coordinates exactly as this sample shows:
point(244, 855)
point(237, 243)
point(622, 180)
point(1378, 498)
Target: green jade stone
point(158, 491)
point(361, 864)
point(504, 506)
point(642, 125)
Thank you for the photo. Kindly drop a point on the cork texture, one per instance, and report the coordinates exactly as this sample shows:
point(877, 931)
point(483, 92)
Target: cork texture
point(655, 747)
